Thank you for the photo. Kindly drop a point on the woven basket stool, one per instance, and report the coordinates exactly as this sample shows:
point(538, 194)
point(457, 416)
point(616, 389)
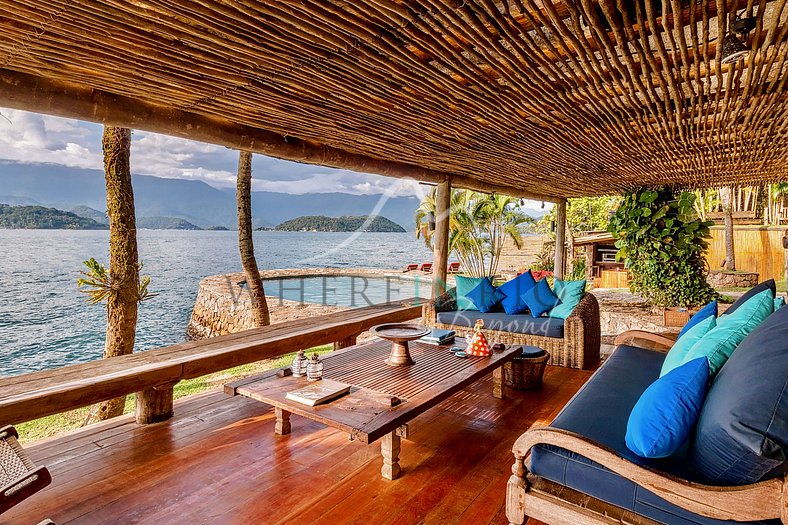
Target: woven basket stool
point(525, 372)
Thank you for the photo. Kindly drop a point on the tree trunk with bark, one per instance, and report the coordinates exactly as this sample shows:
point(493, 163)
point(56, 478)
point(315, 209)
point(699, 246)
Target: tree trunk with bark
point(243, 199)
point(123, 259)
point(727, 209)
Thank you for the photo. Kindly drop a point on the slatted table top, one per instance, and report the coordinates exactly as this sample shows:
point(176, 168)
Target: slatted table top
point(367, 412)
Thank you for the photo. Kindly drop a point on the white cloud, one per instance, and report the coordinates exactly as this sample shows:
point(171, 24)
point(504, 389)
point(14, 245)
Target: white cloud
point(31, 138)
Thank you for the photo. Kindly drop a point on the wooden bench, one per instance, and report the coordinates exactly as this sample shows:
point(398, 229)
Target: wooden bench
point(152, 374)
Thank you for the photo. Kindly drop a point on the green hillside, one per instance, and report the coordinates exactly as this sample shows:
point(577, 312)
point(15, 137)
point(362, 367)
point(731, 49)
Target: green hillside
point(41, 218)
point(320, 223)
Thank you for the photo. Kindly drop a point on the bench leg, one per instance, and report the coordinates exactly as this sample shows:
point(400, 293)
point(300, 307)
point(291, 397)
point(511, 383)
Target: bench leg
point(498, 387)
point(282, 426)
point(154, 404)
point(390, 447)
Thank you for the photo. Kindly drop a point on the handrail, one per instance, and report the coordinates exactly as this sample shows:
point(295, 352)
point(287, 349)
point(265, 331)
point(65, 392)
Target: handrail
point(153, 373)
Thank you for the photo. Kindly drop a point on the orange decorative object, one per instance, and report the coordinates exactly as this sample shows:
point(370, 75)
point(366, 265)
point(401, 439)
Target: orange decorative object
point(478, 346)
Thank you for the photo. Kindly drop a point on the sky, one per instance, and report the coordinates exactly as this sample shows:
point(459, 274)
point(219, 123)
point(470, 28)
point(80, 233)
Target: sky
point(27, 138)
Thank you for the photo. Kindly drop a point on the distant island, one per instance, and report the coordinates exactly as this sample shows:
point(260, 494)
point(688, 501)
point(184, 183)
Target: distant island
point(346, 223)
point(42, 218)
point(165, 223)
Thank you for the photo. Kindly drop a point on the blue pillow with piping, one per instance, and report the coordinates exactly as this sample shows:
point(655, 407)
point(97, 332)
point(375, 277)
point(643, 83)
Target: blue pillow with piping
point(664, 417)
point(485, 296)
point(707, 311)
point(540, 298)
point(464, 286)
point(569, 293)
point(513, 291)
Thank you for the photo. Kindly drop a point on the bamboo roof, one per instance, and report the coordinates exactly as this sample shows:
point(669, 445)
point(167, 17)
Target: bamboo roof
point(555, 98)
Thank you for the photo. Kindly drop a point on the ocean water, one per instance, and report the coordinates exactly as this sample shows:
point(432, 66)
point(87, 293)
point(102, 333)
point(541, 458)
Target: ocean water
point(45, 322)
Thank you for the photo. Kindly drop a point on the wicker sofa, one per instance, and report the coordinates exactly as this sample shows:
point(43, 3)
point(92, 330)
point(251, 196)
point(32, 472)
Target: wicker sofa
point(573, 342)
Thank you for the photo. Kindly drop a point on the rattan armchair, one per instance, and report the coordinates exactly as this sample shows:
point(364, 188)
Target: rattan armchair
point(578, 348)
point(19, 477)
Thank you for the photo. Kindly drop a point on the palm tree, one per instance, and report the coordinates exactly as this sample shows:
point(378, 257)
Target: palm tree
point(120, 286)
point(479, 225)
point(243, 199)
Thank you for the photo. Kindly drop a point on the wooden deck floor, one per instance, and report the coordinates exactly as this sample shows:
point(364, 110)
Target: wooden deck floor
point(219, 462)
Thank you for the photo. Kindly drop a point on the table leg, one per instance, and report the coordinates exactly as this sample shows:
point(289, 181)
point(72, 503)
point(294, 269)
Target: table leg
point(390, 447)
point(282, 426)
point(498, 387)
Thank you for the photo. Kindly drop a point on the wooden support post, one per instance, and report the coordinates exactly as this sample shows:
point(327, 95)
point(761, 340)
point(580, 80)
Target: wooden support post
point(345, 343)
point(590, 264)
point(154, 404)
point(560, 239)
point(282, 426)
point(390, 447)
point(441, 240)
point(785, 245)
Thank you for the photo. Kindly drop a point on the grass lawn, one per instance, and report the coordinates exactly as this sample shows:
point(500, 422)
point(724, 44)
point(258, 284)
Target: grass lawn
point(52, 425)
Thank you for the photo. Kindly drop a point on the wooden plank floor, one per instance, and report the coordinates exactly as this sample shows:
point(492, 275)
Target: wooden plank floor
point(219, 462)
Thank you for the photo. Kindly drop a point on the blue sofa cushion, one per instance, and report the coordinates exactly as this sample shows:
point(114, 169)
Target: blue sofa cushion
point(540, 299)
point(485, 296)
point(742, 433)
point(519, 324)
point(665, 415)
point(755, 290)
point(710, 310)
point(599, 411)
point(513, 303)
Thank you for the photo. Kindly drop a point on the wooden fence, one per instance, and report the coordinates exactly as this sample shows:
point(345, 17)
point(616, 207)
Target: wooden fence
point(758, 249)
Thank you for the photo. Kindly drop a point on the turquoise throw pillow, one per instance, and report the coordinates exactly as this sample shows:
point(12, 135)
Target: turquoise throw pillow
point(485, 296)
point(513, 290)
point(779, 302)
point(569, 293)
point(708, 310)
point(720, 342)
point(667, 411)
point(540, 298)
point(464, 287)
point(677, 355)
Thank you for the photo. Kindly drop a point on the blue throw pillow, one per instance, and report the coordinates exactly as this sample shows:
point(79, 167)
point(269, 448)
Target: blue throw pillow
point(742, 432)
point(752, 292)
point(569, 293)
point(779, 302)
point(665, 415)
point(677, 355)
point(464, 286)
point(485, 296)
point(540, 298)
point(707, 311)
point(720, 342)
point(513, 290)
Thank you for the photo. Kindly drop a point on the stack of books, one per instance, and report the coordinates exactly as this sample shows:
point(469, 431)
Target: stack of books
point(439, 337)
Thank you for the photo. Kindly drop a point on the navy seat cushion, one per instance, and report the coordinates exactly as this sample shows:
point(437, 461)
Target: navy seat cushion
point(599, 411)
point(742, 433)
point(755, 290)
point(519, 323)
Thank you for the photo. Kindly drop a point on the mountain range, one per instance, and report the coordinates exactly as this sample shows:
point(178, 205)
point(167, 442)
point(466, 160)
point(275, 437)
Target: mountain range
point(193, 201)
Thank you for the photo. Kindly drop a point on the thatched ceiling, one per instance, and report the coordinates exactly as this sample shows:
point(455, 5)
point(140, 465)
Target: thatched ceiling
point(564, 99)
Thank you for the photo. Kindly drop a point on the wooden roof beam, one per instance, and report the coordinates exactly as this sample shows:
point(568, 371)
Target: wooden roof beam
point(51, 97)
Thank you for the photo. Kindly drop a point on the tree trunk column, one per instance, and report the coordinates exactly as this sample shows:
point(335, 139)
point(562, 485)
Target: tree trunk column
point(730, 253)
point(560, 239)
point(441, 246)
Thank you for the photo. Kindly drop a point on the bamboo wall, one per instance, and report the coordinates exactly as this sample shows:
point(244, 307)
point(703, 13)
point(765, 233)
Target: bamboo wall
point(758, 249)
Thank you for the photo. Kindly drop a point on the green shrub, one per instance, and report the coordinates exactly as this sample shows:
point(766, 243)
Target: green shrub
point(661, 240)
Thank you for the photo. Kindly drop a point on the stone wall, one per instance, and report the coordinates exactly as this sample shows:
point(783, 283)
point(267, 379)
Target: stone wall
point(223, 306)
point(723, 279)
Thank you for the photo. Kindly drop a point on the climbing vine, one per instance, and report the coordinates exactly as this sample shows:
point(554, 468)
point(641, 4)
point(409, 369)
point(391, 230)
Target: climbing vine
point(661, 240)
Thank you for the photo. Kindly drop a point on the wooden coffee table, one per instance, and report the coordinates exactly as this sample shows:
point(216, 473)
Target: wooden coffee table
point(383, 399)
